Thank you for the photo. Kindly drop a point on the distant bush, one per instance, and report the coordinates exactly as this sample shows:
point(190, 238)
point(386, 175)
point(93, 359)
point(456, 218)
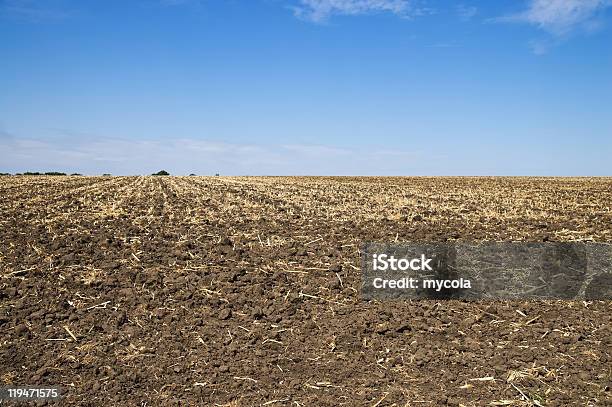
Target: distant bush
point(55, 173)
point(32, 173)
point(217, 174)
point(106, 175)
point(192, 175)
point(5, 173)
point(76, 174)
point(162, 172)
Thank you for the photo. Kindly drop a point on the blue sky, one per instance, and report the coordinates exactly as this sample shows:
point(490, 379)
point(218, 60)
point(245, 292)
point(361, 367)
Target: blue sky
point(322, 87)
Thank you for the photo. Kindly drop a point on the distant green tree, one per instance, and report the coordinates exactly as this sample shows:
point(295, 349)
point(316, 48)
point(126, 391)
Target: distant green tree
point(162, 172)
point(55, 173)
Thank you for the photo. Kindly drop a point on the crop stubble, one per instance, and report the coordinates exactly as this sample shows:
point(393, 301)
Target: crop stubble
point(245, 291)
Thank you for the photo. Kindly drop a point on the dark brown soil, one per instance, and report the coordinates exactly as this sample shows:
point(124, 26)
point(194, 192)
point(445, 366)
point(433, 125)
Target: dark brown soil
point(245, 291)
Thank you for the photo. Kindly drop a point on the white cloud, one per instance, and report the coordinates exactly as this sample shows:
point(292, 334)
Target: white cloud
point(321, 10)
point(560, 17)
point(90, 155)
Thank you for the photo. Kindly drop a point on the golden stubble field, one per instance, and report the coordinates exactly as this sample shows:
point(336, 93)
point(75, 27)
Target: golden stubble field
point(245, 291)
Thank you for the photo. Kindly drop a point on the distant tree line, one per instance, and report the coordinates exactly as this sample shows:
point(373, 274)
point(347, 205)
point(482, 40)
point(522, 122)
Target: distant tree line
point(75, 174)
point(52, 173)
point(42, 173)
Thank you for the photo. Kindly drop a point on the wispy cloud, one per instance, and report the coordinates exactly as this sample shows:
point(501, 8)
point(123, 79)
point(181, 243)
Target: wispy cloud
point(540, 47)
point(445, 44)
point(321, 10)
point(560, 17)
point(316, 150)
point(34, 10)
point(466, 13)
point(180, 2)
point(91, 155)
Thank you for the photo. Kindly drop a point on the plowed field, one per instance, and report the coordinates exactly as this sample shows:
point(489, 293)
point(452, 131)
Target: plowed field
point(245, 291)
